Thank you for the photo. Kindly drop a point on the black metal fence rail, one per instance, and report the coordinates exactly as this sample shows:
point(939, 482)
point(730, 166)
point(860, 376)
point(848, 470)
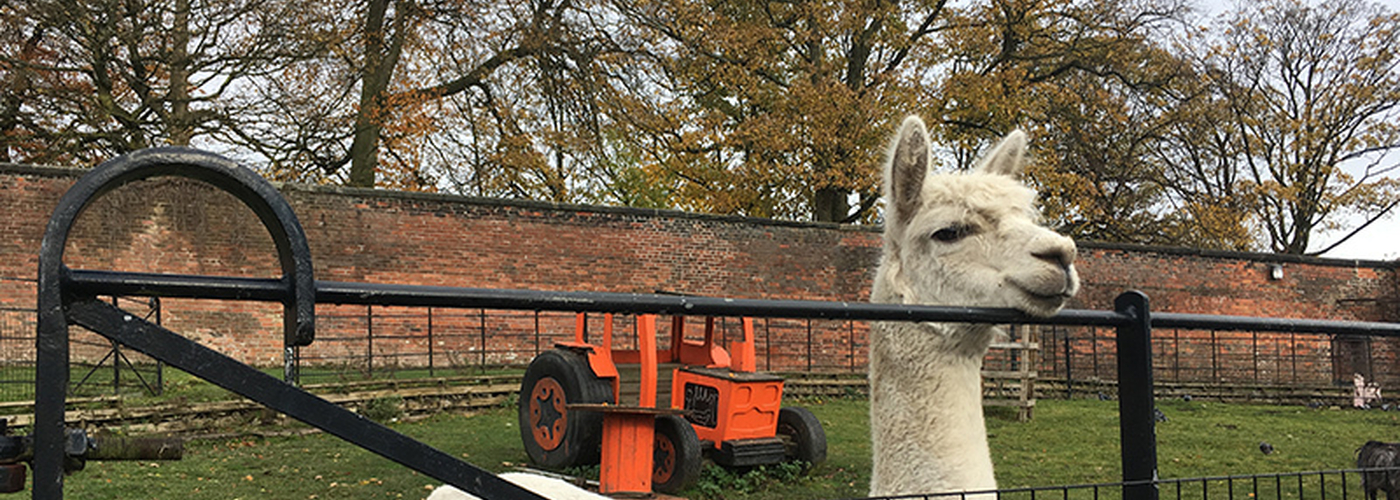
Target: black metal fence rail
point(368, 342)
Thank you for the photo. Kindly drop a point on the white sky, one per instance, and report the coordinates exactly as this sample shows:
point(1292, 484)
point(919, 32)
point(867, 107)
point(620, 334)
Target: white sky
point(1380, 241)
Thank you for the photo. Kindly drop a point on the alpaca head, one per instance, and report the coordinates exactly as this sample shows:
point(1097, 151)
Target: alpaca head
point(970, 239)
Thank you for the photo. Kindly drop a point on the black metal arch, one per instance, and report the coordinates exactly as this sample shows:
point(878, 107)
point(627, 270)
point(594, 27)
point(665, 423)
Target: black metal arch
point(256, 193)
point(298, 285)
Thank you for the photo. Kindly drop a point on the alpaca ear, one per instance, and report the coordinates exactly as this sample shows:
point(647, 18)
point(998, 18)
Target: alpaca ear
point(1008, 157)
point(907, 168)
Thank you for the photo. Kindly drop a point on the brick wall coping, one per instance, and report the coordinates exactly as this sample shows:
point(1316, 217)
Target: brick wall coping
point(50, 171)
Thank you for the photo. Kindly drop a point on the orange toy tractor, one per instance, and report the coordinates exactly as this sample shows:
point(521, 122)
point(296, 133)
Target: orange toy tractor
point(719, 407)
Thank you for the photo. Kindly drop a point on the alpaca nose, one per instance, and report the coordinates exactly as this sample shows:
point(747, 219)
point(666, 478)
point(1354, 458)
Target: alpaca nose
point(1060, 252)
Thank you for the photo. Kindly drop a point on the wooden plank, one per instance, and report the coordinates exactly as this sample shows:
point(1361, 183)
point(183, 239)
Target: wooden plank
point(1014, 403)
point(1004, 374)
point(1027, 346)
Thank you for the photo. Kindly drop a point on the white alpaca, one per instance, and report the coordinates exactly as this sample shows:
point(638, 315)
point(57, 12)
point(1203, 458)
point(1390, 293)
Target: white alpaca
point(548, 487)
point(967, 239)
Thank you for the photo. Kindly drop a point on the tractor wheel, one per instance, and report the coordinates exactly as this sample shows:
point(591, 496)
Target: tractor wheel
point(676, 459)
point(802, 434)
point(555, 437)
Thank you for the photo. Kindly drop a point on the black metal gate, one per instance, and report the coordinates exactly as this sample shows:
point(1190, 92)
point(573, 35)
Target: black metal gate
point(70, 297)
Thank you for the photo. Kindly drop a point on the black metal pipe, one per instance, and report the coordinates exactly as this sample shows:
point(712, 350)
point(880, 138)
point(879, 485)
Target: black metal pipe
point(1136, 409)
point(333, 292)
point(1247, 323)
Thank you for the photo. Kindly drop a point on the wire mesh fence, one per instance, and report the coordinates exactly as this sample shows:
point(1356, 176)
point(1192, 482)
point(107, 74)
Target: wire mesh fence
point(100, 367)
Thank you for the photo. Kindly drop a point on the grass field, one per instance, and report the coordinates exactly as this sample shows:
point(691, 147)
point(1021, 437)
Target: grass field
point(1068, 442)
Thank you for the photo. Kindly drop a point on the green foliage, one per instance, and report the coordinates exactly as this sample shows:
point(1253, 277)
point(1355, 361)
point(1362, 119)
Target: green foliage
point(719, 482)
point(511, 400)
point(384, 409)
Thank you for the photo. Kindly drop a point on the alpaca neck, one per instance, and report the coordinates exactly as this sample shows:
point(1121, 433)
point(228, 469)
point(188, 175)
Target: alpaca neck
point(928, 433)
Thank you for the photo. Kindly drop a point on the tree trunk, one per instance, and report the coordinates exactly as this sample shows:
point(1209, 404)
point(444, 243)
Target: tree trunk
point(831, 204)
point(180, 124)
point(380, 59)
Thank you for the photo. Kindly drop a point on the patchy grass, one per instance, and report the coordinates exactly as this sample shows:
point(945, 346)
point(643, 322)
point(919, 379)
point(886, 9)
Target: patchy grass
point(1068, 442)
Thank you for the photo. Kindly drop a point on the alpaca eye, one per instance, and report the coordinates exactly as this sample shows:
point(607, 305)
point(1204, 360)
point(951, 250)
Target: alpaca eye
point(951, 234)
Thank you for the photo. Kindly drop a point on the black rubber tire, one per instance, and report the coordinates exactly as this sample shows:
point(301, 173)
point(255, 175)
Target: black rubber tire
point(676, 460)
point(557, 377)
point(808, 440)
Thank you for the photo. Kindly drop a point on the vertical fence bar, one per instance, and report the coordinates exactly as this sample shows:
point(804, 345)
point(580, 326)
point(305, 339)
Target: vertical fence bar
point(1135, 404)
point(482, 365)
point(369, 342)
point(767, 346)
point(851, 341)
point(1176, 355)
point(1069, 367)
point(1214, 359)
point(809, 345)
point(1293, 354)
point(1370, 365)
point(116, 361)
point(1254, 353)
point(430, 343)
point(1094, 351)
point(160, 365)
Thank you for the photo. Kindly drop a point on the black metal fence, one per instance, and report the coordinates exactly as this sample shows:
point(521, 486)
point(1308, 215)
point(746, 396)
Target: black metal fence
point(387, 341)
point(67, 297)
point(1339, 484)
point(100, 367)
point(369, 342)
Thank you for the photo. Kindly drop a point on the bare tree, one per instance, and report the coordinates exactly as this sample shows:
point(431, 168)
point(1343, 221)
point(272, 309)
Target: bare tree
point(1312, 92)
point(96, 78)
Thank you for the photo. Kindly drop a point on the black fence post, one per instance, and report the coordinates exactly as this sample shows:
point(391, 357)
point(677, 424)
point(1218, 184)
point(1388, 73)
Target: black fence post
point(1136, 410)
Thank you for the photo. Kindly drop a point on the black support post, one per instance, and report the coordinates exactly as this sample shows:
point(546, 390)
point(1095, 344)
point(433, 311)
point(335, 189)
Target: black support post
point(1136, 409)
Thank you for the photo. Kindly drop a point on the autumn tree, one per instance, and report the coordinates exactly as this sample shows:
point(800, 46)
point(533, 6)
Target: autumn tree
point(1311, 94)
point(779, 109)
point(1088, 80)
point(475, 97)
point(92, 79)
point(1204, 201)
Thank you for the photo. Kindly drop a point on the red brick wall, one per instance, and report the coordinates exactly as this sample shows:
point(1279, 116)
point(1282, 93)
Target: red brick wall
point(171, 225)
